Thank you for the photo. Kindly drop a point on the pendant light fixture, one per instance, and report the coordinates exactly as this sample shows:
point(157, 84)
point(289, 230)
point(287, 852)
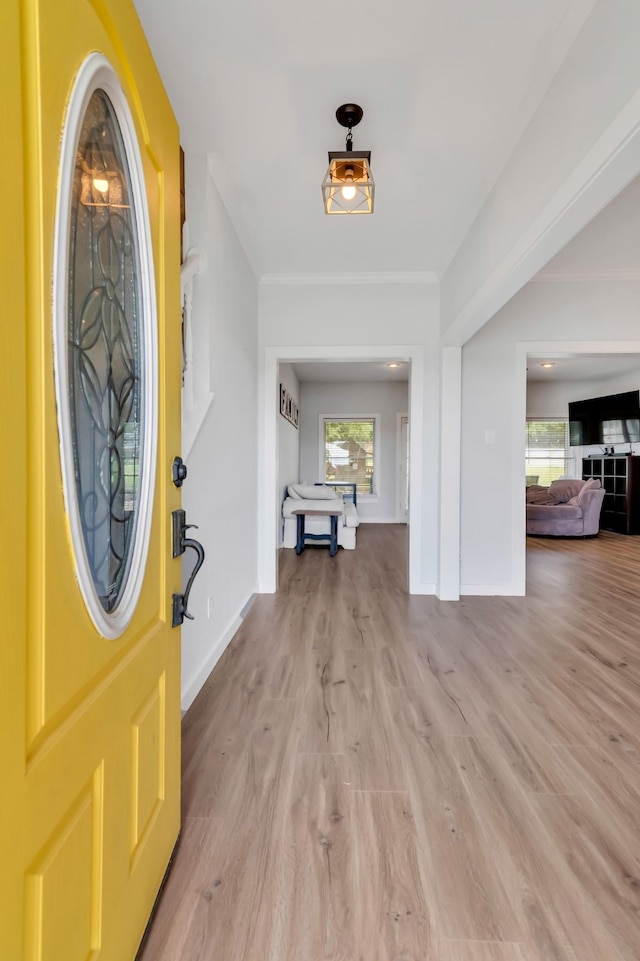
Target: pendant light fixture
point(348, 186)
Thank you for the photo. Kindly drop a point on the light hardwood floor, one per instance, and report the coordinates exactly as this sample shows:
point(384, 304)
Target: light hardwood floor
point(370, 776)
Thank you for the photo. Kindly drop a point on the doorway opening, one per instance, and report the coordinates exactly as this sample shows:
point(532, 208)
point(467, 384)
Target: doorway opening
point(594, 367)
point(270, 495)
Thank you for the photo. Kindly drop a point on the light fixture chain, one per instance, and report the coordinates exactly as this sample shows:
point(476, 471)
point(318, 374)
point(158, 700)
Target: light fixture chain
point(349, 139)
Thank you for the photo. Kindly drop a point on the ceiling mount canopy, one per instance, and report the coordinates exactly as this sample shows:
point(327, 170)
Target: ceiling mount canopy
point(349, 115)
point(348, 186)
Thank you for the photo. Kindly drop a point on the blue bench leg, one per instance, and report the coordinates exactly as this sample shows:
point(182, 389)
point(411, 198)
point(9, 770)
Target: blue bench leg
point(299, 533)
point(333, 546)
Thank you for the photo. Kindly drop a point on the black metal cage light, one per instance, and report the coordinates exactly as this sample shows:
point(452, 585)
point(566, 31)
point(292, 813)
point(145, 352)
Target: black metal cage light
point(348, 186)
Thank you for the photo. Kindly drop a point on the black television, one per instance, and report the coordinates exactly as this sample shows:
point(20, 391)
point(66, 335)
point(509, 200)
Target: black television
point(614, 419)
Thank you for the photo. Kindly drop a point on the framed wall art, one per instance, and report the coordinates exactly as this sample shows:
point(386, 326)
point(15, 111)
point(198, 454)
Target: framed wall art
point(288, 407)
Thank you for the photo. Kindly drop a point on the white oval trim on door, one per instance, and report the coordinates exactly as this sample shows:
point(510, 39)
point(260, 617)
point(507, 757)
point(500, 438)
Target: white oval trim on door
point(96, 74)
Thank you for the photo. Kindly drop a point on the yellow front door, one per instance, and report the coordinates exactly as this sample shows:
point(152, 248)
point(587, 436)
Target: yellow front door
point(89, 723)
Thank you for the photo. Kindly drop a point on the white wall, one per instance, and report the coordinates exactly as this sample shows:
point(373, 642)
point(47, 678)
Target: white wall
point(553, 399)
point(581, 314)
point(288, 465)
point(350, 321)
point(581, 147)
point(354, 400)
point(222, 464)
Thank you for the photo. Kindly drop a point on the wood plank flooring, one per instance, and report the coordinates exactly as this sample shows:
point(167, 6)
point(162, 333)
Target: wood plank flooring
point(369, 776)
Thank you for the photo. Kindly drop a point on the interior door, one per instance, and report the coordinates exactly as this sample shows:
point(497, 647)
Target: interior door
point(90, 724)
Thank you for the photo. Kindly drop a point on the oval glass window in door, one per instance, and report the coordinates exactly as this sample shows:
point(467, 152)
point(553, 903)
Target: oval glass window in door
point(106, 370)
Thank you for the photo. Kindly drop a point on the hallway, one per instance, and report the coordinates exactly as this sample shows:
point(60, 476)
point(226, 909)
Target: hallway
point(371, 776)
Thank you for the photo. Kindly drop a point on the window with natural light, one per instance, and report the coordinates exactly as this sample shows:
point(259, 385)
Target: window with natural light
point(547, 452)
point(349, 452)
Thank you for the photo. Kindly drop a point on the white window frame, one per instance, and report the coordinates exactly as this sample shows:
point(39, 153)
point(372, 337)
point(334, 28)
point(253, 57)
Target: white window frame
point(376, 449)
point(549, 420)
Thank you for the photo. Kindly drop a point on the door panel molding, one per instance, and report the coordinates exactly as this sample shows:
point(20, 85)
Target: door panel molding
point(71, 859)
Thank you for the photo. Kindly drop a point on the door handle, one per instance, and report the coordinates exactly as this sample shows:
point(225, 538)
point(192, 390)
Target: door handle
point(180, 544)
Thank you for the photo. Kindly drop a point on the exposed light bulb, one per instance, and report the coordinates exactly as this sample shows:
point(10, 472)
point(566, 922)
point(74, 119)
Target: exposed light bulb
point(393, 365)
point(547, 365)
point(100, 184)
point(348, 191)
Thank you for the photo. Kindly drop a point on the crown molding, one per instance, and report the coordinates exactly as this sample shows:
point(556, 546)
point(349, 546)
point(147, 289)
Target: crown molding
point(586, 276)
point(373, 277)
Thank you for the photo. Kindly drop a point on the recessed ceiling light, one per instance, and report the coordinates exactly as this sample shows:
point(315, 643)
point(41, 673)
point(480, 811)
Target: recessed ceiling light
point(393, 365)
point(547, 364)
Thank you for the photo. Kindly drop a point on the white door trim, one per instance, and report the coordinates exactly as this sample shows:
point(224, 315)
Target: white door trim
point(268, 509)
point(449, 478)
point(401, 515)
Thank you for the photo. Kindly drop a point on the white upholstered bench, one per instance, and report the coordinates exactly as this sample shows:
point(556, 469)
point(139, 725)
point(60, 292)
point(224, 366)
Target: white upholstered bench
point(323, 499)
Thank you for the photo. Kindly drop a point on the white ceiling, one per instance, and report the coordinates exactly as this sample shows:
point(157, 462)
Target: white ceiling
point(360, 372)
point(579, 367)
point(447, 87)
point(566, 367)
point(607, 248)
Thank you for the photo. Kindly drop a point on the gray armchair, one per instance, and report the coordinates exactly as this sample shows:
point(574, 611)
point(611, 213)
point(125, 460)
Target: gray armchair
point(577, 517)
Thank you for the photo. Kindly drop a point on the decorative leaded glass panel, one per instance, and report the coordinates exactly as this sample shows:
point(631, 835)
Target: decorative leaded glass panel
point(104, 350)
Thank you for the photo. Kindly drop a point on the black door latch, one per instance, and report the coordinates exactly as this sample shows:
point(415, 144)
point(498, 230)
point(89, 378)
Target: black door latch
point(178, 471)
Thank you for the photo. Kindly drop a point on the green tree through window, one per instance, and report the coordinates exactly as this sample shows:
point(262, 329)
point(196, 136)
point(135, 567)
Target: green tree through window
point(349, 452)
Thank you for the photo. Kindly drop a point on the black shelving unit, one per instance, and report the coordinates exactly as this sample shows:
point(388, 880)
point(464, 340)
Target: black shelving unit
point(619, 474)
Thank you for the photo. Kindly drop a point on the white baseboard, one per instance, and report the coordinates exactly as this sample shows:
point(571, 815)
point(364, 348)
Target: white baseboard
point(425, 589)
point(492, 590)
point(191, 690)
